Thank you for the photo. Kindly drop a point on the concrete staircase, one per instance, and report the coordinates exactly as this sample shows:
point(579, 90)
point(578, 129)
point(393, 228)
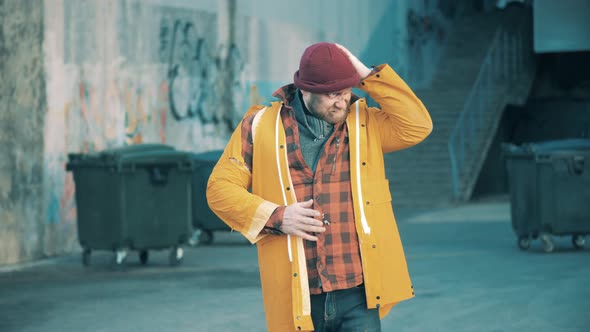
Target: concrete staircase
point(421, 175)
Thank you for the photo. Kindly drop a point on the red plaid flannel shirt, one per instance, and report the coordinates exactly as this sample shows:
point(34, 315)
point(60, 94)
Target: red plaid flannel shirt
point(334, 261)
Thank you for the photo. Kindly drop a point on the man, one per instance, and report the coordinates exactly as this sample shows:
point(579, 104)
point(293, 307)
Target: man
point(319, 209)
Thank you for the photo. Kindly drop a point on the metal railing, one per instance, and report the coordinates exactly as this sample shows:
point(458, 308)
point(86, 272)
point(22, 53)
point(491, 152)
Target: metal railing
point(507, 59)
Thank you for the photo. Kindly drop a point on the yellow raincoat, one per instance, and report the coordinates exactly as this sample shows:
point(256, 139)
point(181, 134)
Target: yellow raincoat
point(401, 122)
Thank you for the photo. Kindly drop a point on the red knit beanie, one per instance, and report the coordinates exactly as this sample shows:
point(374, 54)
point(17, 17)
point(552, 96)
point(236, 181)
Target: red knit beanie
point(325, 68)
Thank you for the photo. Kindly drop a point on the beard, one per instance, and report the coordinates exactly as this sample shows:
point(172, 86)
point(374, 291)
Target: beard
point(336, 116)
point(331, 114)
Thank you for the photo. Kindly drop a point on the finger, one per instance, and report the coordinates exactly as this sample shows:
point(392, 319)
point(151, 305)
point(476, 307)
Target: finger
point(312, 229)
point(306, 204)
point(306, 236)
point(360, 67)
point(304, 212)
point(310, 221)
point(344, 49)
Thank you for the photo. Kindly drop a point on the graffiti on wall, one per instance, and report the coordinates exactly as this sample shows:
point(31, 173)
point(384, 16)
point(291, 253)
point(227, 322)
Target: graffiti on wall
point(197, 72)
point(179, 86)
point(118, 112)
point(191, 78)
point(192, 71)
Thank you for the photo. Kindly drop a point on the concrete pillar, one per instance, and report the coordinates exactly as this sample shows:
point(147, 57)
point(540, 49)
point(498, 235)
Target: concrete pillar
point(22, 109)
point(226, 25)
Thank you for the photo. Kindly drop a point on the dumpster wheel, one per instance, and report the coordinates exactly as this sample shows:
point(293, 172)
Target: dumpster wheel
point(120, 256)
point(175, 256)
point(206, 237)
point(144, 256)
point(578, 241)
point(548, 245)
point(524, 242)
point(86, 256)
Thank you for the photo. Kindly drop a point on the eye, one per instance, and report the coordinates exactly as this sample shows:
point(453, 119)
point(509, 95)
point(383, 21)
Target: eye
point(339, 94)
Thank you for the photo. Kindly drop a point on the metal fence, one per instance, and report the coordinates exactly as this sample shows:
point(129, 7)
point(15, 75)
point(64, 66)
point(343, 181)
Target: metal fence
point(507, 59)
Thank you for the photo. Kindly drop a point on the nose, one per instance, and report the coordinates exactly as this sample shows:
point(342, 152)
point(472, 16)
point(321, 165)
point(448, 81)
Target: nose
point(341, 103)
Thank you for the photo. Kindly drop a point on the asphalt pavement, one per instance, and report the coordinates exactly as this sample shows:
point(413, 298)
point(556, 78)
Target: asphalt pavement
point(467, 271)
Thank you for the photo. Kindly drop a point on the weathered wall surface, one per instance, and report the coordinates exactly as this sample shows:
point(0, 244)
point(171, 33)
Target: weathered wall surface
point(22, 109)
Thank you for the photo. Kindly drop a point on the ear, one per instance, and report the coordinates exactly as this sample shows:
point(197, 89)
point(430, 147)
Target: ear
point(306, 95)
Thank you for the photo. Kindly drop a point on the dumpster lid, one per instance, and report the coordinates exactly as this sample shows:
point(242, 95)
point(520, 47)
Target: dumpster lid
point(119, 151)
point(208, 156)
point(547, 147)
point(155, 157)
point(143, 154)
point(137, 148)
point(564, 144)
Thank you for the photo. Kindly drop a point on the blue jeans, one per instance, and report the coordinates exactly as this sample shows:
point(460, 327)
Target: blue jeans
point(344, 311)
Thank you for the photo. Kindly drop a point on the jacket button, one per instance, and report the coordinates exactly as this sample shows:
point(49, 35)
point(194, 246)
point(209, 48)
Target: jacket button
point(364, 163)
point(378, 297)
point(294, 274)
point(282, 146)
point(288, 188)
point(362, 83)
point(374, 246)
point(368, 202)
point(378, 75)
point(362, 125)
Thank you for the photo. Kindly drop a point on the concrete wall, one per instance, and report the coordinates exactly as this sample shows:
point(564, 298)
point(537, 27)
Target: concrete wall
point(22, 109)
point(87, 75)
point(280, 31)
point(561, 26)
point(423, 31)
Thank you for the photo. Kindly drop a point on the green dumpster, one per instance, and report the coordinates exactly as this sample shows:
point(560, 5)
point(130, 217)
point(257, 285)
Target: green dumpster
point(205, 222)
point(549, 190)
point(133, 198)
